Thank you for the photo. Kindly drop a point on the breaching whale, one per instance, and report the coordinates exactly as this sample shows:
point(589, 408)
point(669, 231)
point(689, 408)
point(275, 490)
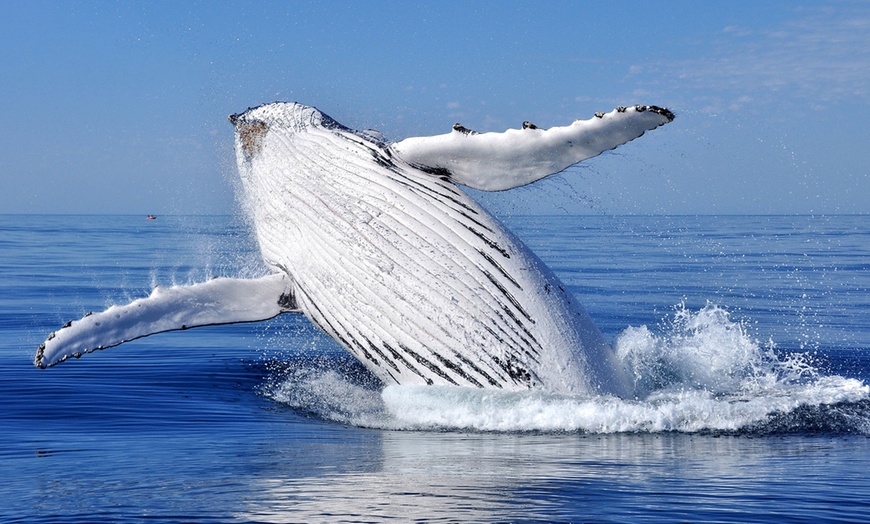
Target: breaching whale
point(377, 244)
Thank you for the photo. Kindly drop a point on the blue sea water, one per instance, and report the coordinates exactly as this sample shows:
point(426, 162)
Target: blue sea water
point(748, 337)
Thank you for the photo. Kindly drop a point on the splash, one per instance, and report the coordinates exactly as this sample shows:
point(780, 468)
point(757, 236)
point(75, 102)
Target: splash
point(698, 371)
point(707, 351)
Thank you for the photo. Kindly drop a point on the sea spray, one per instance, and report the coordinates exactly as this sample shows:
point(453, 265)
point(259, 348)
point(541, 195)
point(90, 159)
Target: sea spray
point(706, 350)
point(698, 372)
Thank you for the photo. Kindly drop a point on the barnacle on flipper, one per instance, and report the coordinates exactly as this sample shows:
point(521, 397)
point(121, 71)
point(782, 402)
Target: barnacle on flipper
point(462, 129)
point(664, 111)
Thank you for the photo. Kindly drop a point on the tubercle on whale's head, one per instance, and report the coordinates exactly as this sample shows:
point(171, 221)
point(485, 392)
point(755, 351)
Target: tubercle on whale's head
point(249, 133)
point(254, 123)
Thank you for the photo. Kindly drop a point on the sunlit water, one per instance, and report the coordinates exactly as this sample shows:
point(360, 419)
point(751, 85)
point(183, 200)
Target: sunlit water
point(746, 336)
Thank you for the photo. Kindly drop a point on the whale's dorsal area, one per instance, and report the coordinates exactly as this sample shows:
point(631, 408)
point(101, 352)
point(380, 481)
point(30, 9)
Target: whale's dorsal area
point(377, 245)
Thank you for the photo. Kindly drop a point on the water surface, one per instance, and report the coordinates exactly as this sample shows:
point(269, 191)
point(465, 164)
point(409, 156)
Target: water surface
point(749, 337)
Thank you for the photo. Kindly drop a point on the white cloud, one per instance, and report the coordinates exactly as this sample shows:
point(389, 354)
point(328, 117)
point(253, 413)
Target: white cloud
point(820, 55)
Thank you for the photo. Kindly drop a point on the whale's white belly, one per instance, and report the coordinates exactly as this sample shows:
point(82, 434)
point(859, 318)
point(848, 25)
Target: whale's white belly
point(410, 274)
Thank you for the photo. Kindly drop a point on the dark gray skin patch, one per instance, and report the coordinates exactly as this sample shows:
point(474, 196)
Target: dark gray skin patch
point(515, 371)
point(507, 295)
point(444, 173)
point(452, 366)
point(500, 269)
point(287, 301)
point(425, 362)
point(381, 354)
point(398, 356)
point(487, 240)
point(665, 112)
point(477, 370)
point(462, 129)
point(251, 132)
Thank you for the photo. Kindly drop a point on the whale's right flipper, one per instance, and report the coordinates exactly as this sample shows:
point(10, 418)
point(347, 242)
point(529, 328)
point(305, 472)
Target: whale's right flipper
point(218, 301)
point(499, 161)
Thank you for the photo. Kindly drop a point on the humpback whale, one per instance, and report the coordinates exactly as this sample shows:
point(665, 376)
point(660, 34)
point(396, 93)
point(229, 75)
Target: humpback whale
point(377, 244)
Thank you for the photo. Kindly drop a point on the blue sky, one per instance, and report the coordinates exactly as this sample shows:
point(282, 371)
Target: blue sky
point(120, 107)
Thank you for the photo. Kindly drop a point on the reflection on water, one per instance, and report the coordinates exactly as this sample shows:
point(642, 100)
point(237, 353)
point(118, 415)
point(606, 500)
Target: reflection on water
point(535, 477)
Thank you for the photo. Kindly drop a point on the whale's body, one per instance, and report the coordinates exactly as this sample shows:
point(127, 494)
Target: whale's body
point(376, 245)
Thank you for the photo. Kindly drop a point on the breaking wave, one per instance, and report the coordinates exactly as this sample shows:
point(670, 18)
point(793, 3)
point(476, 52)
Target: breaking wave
point(699, 371)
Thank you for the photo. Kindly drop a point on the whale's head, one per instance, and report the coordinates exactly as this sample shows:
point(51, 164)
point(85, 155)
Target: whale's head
point(266, 140)
point(299, 170)
point(253, 126)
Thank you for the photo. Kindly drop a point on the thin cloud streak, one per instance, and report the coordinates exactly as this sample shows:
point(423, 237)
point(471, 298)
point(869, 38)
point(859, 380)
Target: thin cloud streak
point(820, 56)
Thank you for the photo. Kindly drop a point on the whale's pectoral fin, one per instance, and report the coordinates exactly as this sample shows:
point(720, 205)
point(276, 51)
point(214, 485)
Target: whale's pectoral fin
point(498, 161)
point(218, 301)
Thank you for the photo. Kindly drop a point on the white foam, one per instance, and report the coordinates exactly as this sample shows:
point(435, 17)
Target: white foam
point(705, 350)
point(701, 371)
point(420, 407)
point(331, 396)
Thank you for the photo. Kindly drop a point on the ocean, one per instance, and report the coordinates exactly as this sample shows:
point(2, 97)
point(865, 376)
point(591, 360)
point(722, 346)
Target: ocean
point(747, 336)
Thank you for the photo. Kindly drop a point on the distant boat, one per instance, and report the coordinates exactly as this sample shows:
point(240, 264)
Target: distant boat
point(151, 217)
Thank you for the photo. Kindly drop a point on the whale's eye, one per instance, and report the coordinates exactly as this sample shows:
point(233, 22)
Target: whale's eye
point(251, 135)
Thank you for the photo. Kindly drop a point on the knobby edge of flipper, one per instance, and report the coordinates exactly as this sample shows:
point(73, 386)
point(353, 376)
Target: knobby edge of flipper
point(218, 301)
point(517, 157)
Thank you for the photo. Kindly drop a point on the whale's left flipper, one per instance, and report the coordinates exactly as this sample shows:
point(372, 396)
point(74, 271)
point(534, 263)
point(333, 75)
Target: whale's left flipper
point(499, 161)
point(218, 301)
